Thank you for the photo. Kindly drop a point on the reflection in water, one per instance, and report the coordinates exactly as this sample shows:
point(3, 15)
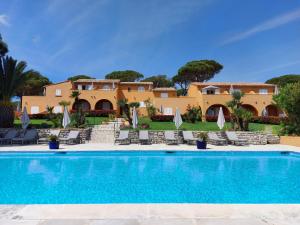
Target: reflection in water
point(202, 178)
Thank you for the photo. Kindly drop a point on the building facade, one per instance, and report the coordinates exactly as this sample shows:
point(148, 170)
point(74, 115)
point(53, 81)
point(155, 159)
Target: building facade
point(103, 95)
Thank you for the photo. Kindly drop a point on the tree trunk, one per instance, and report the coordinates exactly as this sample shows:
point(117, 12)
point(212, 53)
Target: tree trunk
point(6, 115)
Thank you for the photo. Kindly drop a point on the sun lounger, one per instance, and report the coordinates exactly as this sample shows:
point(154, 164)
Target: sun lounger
point(7, 138)
point(123, 137)
point(233, 138)
point(189, 137)
point(215, 140)
point(144, 137)
point(30, 136)
point(170, 138)
point(72, 138)
point(46, 139)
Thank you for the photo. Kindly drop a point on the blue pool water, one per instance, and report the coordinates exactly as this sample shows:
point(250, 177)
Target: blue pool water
point(150, 177)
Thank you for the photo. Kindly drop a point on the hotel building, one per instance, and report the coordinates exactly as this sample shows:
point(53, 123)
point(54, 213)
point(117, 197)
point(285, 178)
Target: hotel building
point(104, 94)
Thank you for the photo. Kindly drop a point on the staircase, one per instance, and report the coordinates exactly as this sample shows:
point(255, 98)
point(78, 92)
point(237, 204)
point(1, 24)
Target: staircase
point(104, 133)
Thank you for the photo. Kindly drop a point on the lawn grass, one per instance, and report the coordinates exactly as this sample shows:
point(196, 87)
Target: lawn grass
point(203, 126)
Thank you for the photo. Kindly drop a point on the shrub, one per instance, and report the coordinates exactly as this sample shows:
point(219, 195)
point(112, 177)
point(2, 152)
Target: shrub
point(215, 118)
point(268, 119)
point(162, 118)
point(192, 114)
point(41, 116)
point(151, 110)
point(99, 113)
point(289, 101)
point(145, 126)
point(53, 138)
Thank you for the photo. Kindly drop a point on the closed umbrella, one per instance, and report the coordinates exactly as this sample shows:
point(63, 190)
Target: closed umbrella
point(265, 112)
point(66, 119)
point(134, 118)
point(276, 91)
point(25, 119)
point(161, 109)
point(18, 107)
point(231, 90)
point(221, 119)
point(177, 119)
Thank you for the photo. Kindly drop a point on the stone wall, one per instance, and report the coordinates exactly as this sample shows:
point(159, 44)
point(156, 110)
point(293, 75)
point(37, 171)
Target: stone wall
point(84, 133)
point(254, 138)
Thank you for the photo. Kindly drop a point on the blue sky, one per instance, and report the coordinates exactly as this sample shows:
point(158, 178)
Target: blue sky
point(254, 40)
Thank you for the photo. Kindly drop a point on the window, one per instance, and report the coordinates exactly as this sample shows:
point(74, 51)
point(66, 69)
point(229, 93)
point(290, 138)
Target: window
point(34, 110)
point(168, 111)
point(58, 92)
point(263, 91)
point(129, 89)
point(57, 109)
point(142, 104)
point(141, 89)
point(164, 95)
point(210, 92)
point(106, 87)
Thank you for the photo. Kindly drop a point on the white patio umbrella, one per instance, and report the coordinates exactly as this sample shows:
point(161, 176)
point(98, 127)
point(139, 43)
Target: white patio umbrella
point(25, 119)
point(177, 119)
point(276, 91)
point(231, 90)
point(18, 107)
point(221, 119)
point(265, 112)
point(113, 85)
point(134, 118)
point(66, 119)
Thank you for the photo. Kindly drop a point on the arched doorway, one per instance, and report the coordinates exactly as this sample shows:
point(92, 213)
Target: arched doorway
point(83, 104)
point(213, 111)
point(271, 110)
point(104, 104)
point(251, 109)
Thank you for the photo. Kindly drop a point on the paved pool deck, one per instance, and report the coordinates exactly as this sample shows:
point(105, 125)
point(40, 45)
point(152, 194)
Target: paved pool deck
point(154, 147)
point(151, 214)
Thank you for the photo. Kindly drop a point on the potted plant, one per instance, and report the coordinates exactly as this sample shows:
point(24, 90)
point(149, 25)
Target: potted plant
point(202, 142)
point(53, 142)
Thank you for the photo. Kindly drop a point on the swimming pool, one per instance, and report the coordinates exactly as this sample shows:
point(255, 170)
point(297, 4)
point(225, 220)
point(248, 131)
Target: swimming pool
point(149, 177)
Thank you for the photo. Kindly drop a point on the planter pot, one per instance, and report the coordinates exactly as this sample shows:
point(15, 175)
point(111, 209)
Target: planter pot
point(53, 145)
point(201, 144)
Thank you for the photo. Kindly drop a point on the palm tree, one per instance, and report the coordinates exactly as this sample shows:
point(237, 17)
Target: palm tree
point(12, 74)
point(3, 47)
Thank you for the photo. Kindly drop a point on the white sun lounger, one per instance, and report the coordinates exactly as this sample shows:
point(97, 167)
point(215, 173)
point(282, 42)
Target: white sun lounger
point(144, 137)
point(215, 140)
point(30, 136)
point(189, 137)
point(123, 137)
point(7, 138)
point(170, 137)
point(233, 138)
point(46, 139)
point(72, 138)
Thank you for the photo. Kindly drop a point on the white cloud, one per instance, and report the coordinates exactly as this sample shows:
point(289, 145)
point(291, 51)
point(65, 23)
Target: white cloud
point(274, 68)
point(141, 22)
point(266, 25)
point(4, 20)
